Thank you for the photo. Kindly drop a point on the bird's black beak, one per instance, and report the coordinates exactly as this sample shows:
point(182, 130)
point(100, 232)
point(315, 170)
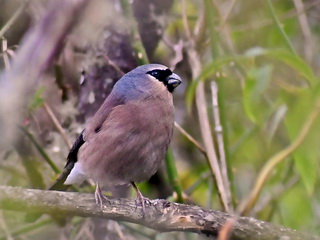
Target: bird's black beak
point(173, 81)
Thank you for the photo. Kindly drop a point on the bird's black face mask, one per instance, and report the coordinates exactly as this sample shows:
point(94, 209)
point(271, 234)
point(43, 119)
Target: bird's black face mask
point(167, 77)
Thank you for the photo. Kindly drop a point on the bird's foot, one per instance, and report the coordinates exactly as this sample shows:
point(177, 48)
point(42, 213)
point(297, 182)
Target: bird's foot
point(141, 200)
point(98, 195)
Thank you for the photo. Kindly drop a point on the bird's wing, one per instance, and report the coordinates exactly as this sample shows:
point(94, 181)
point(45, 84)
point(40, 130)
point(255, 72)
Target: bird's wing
point(95, 124)
point(72, 159)
point(73, 154)
point(130, 144)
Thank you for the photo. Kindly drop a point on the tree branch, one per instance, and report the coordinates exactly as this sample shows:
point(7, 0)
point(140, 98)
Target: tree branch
point(160, 215)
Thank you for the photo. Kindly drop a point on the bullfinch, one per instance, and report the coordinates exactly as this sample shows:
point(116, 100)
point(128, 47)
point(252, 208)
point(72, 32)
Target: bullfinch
point(127, 138)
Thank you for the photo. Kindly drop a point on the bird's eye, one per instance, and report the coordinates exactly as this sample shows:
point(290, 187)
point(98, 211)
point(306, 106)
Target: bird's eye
point(155, 73)
point(160, 74)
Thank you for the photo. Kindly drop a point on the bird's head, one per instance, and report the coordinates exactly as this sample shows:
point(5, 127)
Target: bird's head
point(148, 79)
point(163, 74)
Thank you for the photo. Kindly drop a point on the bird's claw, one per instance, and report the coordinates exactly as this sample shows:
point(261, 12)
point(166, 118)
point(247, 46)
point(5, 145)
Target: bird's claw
point(99, 197)
point(142, 201)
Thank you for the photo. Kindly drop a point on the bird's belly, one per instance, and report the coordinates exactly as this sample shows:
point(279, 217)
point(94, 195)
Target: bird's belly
point(133, 159)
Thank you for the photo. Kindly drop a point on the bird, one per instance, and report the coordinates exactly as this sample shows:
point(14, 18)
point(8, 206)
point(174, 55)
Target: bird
point(126, 140)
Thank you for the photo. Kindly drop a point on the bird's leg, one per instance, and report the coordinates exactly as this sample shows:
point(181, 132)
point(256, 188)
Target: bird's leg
point(98, 195)
point(140, 198)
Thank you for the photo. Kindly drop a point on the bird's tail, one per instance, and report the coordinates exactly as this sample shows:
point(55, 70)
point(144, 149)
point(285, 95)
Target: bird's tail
point(59, 183)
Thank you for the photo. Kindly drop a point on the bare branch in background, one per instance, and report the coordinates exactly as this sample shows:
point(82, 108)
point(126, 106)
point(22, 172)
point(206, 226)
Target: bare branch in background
point(219, 135)
point(306, 31)
point(226, 231)
point(190, 138)
point(4, 227)
point(227, 14)
point(14, 17)
point(4, 53)
point(194, 61)
point(57, 124)
point(279, 190)
point(177, 49)
point(267, 22)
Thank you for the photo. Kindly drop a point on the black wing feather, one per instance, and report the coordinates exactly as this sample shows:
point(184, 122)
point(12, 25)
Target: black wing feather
point(73, 154)
point(72, 159)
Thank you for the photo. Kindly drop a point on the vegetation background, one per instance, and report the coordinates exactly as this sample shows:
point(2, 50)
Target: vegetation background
point(249, 104)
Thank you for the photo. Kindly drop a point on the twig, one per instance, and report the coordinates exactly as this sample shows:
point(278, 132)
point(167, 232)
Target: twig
point(29, 228)
point(190, 138)
point(195, 185)
point(194, 61)
point(160, 215)
point(305, 29)
point(275, 121)
point(201, 29)
point(224, 32)
point(13, 18)
point(185, 20)
point(226, 15)
point(248, 204)
point(117, 230)
point(210, 191)
point(4, 53)
point(113, 64)
point(242, 139)
point(218, 129)
point(173, 175)
point(227, 229)
point(41, 150)
point(210, 23)
point(268, 22)
point(275, 194)
point(177, 49)
point(4, 227)
point(206, 131)
point(57, 124)
point(137, 232)
point(280, 28)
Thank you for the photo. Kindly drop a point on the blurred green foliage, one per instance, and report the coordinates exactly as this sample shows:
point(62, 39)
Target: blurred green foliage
point(269, 92)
